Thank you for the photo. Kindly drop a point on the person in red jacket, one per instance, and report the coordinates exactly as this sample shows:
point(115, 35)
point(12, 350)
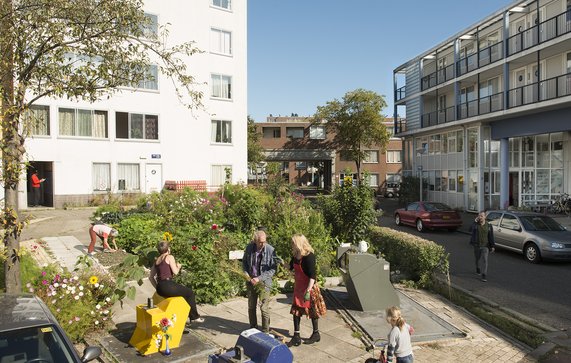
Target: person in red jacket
point(36, 184)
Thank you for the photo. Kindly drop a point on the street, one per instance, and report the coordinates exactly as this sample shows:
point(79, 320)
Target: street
point(539, 291)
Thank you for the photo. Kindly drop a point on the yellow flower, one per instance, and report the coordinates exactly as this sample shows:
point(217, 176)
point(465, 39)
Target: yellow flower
point(167, 236)
point(93, 280)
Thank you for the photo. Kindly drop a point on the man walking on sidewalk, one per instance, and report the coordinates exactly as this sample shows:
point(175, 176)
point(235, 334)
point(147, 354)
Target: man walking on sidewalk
point(483, 241)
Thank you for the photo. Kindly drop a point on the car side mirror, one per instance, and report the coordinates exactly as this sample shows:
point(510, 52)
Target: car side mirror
point(90, 353)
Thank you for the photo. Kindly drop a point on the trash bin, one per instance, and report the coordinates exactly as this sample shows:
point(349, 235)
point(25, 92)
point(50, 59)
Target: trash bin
point(367, 278)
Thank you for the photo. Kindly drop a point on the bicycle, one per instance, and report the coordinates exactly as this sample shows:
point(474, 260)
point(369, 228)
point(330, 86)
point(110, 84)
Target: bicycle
point(562, 204)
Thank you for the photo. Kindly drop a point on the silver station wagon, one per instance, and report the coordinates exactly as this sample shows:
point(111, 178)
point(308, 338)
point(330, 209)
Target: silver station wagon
point(535, 235)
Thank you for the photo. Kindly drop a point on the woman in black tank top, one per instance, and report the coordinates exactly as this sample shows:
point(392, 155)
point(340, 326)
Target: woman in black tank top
point(161, 277)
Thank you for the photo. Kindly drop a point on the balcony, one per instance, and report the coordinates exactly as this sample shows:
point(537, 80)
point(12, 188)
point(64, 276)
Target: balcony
point(400, 93)
point(546, 30)
point(438, 77)
point(548, 89)
point(439, 117)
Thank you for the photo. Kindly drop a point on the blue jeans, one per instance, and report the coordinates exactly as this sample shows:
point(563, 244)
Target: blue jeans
point(408, 359)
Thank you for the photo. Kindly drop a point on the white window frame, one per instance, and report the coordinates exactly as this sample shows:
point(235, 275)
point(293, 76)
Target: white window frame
point(76, 123)
point(221, 41)
point(217, 132)
point(37, 117)
point(221, 86)
point(151, 80)
point(375, 176)
point(132, 182)
point(101, 177)
point(221, 4)
point(393, 156)
point(372, 157)
point(317, 132)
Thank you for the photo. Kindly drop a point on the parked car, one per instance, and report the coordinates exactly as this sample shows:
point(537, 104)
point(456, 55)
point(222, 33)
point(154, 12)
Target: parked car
point(428, 215)
point(534, 235)
point(390, 190)
point(30, 333)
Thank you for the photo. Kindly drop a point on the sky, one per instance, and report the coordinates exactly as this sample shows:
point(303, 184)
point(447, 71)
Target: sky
point(303, 53)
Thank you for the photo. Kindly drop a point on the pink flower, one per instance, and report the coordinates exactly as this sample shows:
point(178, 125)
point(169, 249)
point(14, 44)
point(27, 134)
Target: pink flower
point(194, 248)
point(43, 273)
point(44, 282)
point(214, 227)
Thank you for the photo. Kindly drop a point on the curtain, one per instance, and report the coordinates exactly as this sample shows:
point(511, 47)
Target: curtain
point(216, 86)
point(66, 121)
point(136, 130)
point(84, 122)
point(129, 173)
point(151, 127)
point(100, 124)
point(101, 176)
point(226, 132)
point(37, 118)
point(214, 131)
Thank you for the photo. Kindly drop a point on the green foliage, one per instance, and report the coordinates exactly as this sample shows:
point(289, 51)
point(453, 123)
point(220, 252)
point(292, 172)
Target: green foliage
point(416, 257)
point(409, 189)
point(244, 206)
point(349, 211)
point(139, 231)
point(255, 150)
point(357, 123)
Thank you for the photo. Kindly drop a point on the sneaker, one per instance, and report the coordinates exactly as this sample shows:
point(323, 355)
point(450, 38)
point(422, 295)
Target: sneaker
point(198, 320)
point(484, 278)
point(91, 254)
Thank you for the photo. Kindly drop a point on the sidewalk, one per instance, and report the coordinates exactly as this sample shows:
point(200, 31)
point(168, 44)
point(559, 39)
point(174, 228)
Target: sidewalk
point(225, 321)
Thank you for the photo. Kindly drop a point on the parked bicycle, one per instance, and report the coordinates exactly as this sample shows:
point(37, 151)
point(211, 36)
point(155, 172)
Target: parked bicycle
point(562, 204)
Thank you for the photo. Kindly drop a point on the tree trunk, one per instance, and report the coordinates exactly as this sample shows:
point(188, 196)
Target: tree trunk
point(12, 152)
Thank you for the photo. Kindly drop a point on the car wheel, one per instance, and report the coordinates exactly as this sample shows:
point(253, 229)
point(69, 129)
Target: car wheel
point(390, 195)
point(531, 253)
point(397, 220)
point(419, 225)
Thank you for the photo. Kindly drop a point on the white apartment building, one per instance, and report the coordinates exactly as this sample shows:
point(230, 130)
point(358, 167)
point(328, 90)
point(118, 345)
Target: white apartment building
point(140, 138)
point(488, 110)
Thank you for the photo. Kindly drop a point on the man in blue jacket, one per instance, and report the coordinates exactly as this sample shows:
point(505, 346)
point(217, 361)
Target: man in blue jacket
point(259, 264)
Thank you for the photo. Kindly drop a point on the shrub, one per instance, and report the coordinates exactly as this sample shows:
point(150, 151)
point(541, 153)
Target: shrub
point(417, 257)
point(349, 211)
point(244, 206)
point(139, 231)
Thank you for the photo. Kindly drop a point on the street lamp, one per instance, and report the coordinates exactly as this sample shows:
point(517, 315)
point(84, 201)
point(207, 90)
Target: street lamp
point(419, 168)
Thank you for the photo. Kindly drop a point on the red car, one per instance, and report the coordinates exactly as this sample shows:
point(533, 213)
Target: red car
point(428, 215)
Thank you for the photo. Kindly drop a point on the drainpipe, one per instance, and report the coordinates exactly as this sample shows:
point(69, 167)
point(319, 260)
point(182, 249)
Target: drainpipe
point(465, 162)
point(506, 65)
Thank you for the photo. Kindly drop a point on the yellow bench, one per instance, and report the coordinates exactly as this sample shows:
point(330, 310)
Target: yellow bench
point(145, 338)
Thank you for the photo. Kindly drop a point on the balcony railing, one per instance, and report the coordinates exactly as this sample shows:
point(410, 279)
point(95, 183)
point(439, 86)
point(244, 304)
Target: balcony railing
point(542, 32)
point(400, 93)
point(438, 77)
point(491, 103)
point(428, 81)
point(540, 91)
point(490, 54)
point(439, 117)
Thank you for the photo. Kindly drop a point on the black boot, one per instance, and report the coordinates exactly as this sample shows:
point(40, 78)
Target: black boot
point(295, 341)
point(314, 338)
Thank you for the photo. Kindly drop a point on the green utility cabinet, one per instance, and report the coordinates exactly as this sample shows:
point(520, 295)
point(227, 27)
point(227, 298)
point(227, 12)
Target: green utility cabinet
point(367, 278)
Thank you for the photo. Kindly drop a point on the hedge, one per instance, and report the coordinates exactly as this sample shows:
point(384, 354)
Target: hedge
point(418, 258)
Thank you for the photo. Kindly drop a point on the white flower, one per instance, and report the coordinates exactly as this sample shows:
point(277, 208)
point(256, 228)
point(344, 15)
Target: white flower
point(98, 306)
point(101, 286)
point(56, 284)
point(28, 285)
point(96, 322)
point(80, 293)
point(107, 299)
point(64, 285)
point(92, 312)
point(96, 284)
point(80, 288)
point(54, 301)
point(76, 297)
point(76, 277)
point(105, 312)
point(31, 289)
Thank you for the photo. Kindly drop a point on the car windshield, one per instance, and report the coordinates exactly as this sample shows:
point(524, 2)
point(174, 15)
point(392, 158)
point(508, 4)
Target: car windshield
point(34, 344)
point(540, 223)
point(431, 207)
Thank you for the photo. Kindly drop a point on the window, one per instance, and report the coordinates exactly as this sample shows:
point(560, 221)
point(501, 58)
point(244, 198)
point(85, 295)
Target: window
point(221, 41)
point(393, 156)
point(374, 180)
point(294, 132)
point(128, 177)
point(452, 180)
point(372, 156)
point(509, 222)
point(300, 165)
point(151, 28)
point(101, 176)
point(271, 132)
point(221, 132)
point(37, 119)
point(317, 132)
point(345, 155)
point(221, 174)
point(221, 86)
point(224, 4)
point(151, 80)
point(83, 123)
point(136, 126)
point(494, 218)
point(393, 178)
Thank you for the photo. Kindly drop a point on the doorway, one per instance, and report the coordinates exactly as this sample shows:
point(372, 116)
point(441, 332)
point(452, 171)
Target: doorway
point(153, 178)
point(514, 189)
point(45, 171)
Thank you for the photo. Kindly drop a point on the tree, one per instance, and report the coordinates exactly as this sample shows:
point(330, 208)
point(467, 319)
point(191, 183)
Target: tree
point(255, 150)
point(80, 50)
point(356, 123)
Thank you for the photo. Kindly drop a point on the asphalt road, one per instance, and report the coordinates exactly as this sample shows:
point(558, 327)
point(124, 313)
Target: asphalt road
point(539, 291)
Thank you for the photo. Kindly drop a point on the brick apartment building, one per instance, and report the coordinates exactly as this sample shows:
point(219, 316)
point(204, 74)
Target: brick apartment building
point(307, 161)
